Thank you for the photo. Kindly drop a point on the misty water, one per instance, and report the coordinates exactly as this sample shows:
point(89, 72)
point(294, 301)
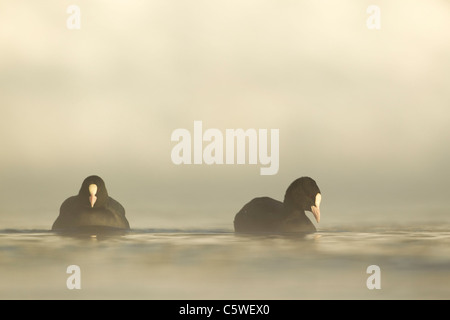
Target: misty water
point(414, 263)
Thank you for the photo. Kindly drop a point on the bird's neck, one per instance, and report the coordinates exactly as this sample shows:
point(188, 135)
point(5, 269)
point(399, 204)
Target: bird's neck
point(289, 209)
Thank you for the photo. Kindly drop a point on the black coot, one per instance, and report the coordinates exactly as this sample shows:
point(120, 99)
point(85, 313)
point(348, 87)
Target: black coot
point(269, 215)
point(92, 208)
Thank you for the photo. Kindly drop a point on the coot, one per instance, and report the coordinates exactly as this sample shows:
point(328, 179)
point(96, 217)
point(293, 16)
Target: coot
point(92, 208)
point(268, 215)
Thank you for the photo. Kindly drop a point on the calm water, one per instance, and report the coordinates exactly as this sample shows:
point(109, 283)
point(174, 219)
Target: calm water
point(218, 264)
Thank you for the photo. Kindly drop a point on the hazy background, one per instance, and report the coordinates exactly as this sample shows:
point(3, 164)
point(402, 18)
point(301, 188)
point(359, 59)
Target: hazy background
point(366, 113)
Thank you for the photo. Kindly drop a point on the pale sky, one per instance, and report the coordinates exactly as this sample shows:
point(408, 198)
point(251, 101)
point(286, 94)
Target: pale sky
point(366, 113)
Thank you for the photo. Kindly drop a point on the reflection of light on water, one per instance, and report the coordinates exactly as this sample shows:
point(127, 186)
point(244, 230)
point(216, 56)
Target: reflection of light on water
point(224, 265)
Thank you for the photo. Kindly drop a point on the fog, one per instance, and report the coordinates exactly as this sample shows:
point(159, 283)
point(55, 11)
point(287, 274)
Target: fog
point(363, 112)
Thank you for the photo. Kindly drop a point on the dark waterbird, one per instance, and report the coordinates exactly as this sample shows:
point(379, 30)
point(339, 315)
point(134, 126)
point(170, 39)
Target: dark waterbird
point(91, 209)
point(269, 215)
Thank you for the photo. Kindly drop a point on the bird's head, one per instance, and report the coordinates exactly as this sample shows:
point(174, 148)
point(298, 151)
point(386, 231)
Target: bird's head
point(93, 191)
point(304, 194)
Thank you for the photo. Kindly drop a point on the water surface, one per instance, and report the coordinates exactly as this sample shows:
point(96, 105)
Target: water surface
point(219, 264)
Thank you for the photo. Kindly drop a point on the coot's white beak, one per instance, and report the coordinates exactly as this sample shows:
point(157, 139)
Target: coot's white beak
point(93, 192)
point(316, 208)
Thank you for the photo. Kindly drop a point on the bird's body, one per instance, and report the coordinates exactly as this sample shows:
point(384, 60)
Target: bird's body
point(91, 208)
point(75, 215)
point(265, 214)
point(269, 215)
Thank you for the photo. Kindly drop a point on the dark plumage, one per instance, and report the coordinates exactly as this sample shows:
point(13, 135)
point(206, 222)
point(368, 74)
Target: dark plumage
point(269, 215)
point(91, 208)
